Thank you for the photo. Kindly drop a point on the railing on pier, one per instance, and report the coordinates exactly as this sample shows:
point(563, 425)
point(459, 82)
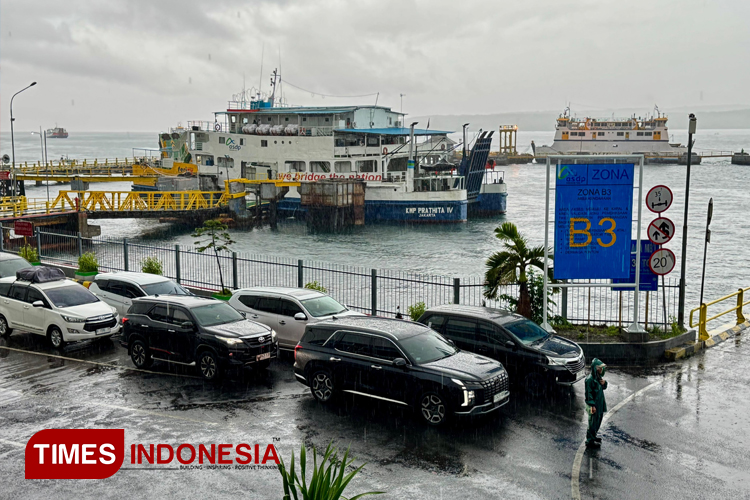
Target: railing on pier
point(136, 201)
point(702, 310)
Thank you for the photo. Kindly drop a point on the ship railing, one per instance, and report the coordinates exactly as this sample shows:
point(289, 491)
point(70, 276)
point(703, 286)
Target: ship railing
point(494, 176)
point(77, 164)
point(205, 126)
point(439, 182)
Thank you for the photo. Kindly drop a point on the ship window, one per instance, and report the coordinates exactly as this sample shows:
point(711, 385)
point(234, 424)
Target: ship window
point(263, 143)
point(372, 141)
point(620, 134)
point(648, 134)
point(269, 118)
point(601, 133)
point(242, 142)
point(222, 140)
point(342, 167)
point(304, 118)
point(639, 134)
point(366, 165)
point(328, 119)
point(286, 119)
point(295, 166)
point(320, 166)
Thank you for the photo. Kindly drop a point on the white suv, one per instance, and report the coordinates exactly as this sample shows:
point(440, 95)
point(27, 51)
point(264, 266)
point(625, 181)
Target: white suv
point(287, 310)
point(120, 288)
point(62, 310)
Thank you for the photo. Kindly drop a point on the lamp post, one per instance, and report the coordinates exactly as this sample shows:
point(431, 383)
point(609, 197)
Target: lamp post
point(706, 242)
point(12, 140)
point(683, 263)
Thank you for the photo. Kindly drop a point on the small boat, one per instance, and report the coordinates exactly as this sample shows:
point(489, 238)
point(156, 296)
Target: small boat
point(57, 133)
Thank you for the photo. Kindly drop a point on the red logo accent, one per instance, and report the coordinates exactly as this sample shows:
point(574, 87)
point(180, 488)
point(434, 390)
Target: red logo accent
point(75, 453)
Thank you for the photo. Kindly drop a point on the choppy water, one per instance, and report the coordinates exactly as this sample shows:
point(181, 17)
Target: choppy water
point(460, 250)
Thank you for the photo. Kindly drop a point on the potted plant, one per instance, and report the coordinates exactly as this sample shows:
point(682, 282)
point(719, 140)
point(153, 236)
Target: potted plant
point(29, 253)
point(152, 265)
point(88, 267)
point(213, 235)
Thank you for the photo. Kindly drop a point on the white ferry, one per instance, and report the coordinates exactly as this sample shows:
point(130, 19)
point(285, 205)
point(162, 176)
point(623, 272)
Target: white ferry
point(408, 173)
point(648, 136)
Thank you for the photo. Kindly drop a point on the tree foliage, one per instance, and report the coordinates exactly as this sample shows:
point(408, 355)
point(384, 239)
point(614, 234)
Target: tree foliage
point(152, 265)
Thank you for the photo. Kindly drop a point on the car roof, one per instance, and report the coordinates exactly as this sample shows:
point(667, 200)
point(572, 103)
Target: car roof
point(490, 313)
point(297, 293)
point(182, 300)
point(394, 328)
point(10, 256)
point(138, 278)
point(43, 286)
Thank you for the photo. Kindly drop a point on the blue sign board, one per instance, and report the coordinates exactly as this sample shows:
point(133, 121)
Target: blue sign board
point(649, 282)
point(593, 219)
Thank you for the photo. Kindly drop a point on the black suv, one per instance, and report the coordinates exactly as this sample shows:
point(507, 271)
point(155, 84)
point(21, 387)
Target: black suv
point(525, 349)
point(400, 362)
point(193, 330)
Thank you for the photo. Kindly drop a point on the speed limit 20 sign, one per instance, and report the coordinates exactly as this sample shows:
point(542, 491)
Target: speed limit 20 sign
point(662, 261)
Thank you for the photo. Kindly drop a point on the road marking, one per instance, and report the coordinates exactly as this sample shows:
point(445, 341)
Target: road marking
point(96, 363)
point(575, 489)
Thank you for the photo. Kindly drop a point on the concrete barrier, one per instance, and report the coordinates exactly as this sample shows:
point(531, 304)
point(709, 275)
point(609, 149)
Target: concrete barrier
point(717, 336)
point(634, 353)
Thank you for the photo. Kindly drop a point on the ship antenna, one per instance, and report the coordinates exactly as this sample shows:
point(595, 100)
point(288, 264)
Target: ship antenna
point(260, 78)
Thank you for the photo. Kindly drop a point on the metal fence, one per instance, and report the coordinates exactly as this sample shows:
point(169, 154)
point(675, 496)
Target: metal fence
point(374, 291)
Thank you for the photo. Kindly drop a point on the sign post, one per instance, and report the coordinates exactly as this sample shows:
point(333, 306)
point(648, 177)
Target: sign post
point(593, 223)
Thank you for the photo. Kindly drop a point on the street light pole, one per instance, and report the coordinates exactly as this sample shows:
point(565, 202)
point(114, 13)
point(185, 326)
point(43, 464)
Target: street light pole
point(706, 242)
point(12, 140)
point(683, 263)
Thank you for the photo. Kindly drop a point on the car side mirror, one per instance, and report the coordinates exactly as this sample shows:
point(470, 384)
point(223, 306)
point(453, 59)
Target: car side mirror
point(399, 363)
point(188, 325)
point(510, 344)
point(37, 303)
point(244, 314)
point(451, 342)
point(300, 317)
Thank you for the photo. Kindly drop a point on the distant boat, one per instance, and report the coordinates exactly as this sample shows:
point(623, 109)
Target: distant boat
point(57, 133)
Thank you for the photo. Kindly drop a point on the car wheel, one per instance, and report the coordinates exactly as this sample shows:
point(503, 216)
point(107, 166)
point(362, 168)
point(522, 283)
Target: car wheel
point(535, 385)
point(433, 409)
point(322, 387)
point(56, 338)
point(5, 330)
point(209, 366)
point(140, 354)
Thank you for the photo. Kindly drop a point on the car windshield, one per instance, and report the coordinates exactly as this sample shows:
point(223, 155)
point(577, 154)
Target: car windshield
point(527, 331)
point(427, 347)
point(216, 314)
point(69, 296)
point(9, 267)
point(323, 306)
point(164, 288)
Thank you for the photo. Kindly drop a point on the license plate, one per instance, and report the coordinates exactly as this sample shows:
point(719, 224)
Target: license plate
point(261, 357)
point(102, 331)
point(500, 396)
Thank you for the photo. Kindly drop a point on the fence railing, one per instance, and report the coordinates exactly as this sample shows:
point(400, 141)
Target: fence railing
point(702, 310)
point(374, 291)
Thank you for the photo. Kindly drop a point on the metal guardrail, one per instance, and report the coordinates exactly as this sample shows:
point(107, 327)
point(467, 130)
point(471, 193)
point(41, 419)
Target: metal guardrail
point(136, 201)
point(703, 318)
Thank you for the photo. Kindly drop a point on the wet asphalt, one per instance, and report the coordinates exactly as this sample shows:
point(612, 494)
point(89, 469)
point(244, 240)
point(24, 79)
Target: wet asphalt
point(683, 435)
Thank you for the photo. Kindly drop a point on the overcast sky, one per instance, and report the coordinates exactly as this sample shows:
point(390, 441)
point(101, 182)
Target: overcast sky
point(140, 65)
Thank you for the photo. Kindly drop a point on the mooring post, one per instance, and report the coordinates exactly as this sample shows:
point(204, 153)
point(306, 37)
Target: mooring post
point(39, 244)
point(564, 304)
point(374, 292)
point(300, 274)
point(80, 244)
point(456, 290)
point(125, 254)
point(177, 262)
point(2, 238)
point(235, 280)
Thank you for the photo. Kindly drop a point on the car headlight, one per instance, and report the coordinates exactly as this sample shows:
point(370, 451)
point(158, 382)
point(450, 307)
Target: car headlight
point(273, 335)
point(72, 319)
point(557, 361)
point(469, 396)
point(229, 340)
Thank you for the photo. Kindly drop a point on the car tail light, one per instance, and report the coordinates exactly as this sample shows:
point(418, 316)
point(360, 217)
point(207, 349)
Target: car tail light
point(124, 320)
point(296, 348)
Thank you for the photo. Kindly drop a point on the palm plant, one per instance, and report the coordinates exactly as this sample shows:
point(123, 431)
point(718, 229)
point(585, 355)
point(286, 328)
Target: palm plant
point(510, 265)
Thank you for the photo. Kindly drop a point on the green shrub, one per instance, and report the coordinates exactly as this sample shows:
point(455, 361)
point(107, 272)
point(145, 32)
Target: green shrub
point(314, 285)
point(612, 331)
point(29, 253)
point(676, 330)
point(415, 311)
point(87, 263)
point(151, 265)
point(328, 480)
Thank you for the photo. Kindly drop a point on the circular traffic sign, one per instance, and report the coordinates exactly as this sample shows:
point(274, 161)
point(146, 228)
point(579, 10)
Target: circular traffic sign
point(661, 230)
point(662, 261)
point(659, 199)
point(6, 158)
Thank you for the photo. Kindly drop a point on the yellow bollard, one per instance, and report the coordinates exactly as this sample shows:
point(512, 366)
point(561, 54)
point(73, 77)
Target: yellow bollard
point(740, 302)
point(702, 332)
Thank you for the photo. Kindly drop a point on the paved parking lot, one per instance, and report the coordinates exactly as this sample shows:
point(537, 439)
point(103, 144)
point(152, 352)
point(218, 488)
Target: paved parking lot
point(679, 430)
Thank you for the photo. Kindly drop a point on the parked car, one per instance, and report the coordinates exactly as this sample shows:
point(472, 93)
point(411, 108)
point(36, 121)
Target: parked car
point(193, 330)
point(400, 362)
point(120, 288)
point(10, 263)
point(288, 310)
point(526, 350)
point(46, 303)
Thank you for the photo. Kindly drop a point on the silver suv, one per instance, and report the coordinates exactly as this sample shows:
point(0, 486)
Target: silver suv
point(120, 288)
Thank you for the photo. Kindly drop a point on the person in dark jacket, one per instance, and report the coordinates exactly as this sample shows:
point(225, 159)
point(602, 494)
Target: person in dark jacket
point(596, 405)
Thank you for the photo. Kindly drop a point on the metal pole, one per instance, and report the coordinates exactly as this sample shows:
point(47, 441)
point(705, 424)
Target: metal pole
point(300, 274)
point(635, 327)
point(456, 290)
point(374, 292)
point(45, 166)
point(39, 244)
point(12, 138)
point(683, 263)
point(80, 244)
point(177, 263)
point(545, 324)
point(705, 244)
point(235, 275)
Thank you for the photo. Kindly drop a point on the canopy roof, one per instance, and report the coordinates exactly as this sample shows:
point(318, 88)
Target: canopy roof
point(394, 131)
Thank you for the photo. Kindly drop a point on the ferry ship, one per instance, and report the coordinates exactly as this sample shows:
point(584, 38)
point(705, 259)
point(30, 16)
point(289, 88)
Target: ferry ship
point(648, 136)
point(57, 133)
point(409, 173)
